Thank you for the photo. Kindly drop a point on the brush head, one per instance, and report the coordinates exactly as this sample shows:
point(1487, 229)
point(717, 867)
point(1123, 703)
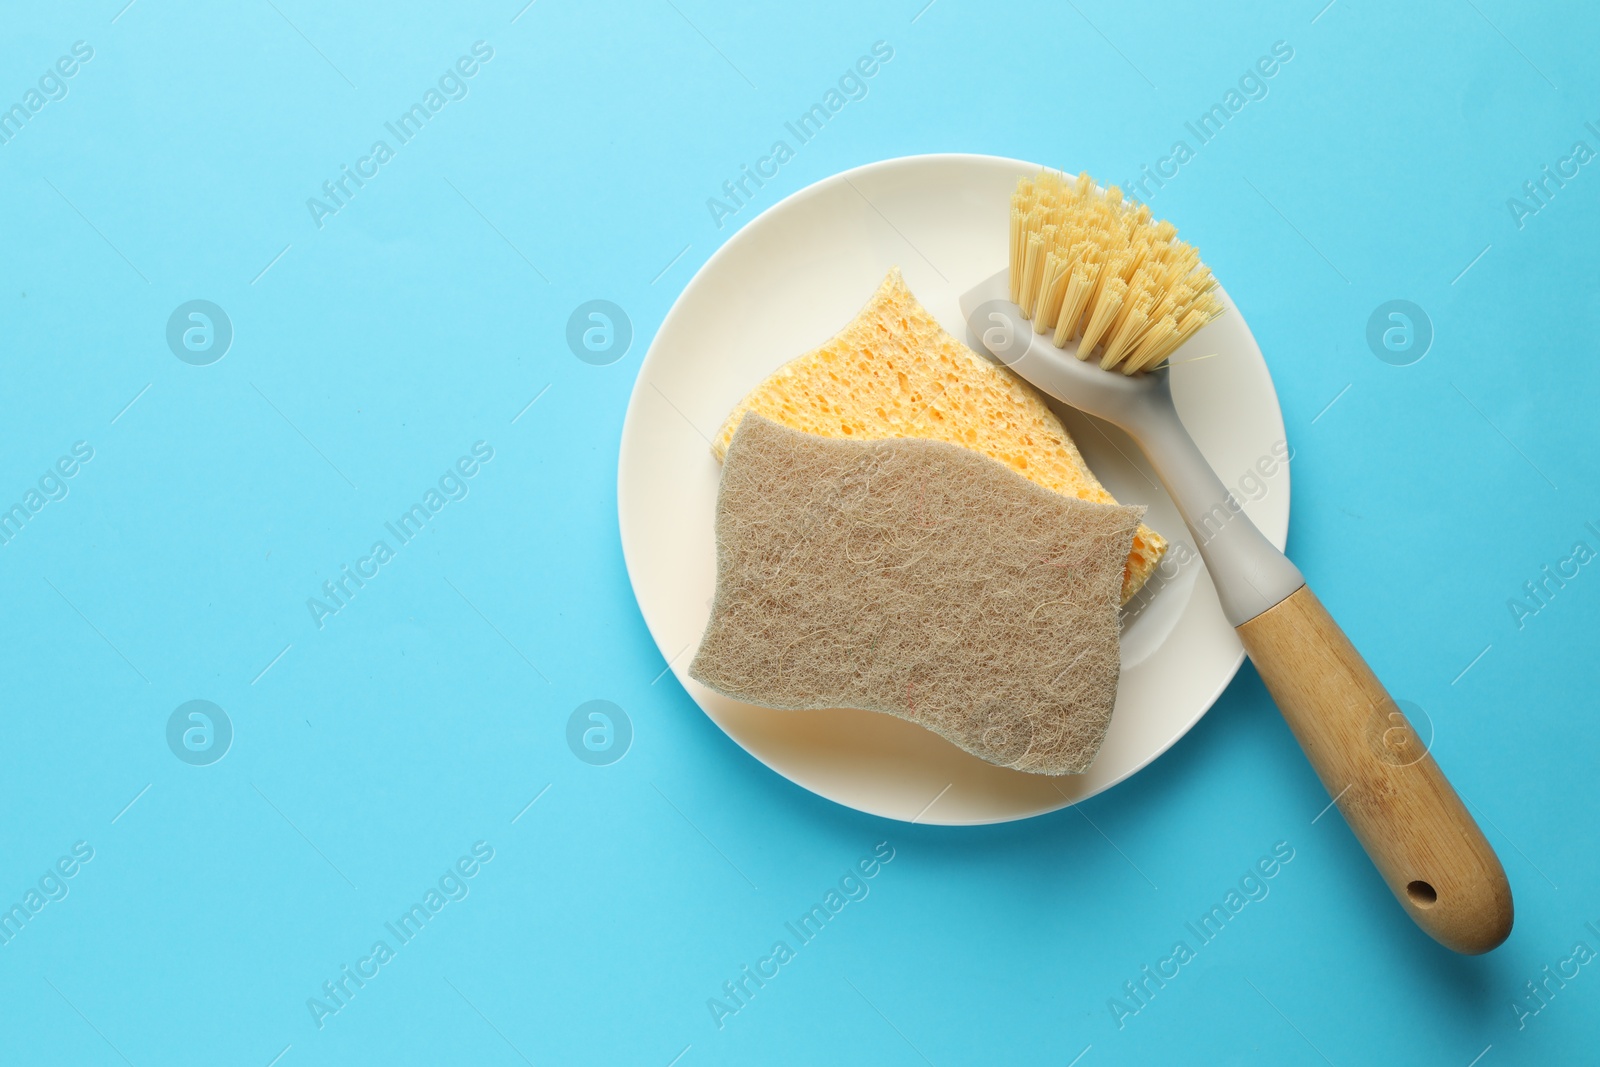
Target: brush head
point(1090, 268)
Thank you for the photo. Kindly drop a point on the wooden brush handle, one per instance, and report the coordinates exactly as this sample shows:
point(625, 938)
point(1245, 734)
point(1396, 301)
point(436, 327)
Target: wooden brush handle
point(1429, 850)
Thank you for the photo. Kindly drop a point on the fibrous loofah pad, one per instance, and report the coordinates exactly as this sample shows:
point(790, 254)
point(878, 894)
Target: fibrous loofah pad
point(919, 579)
point(894, 372)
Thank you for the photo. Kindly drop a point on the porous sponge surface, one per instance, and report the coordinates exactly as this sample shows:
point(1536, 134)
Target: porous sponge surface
point(893, 372)
point(919, 579)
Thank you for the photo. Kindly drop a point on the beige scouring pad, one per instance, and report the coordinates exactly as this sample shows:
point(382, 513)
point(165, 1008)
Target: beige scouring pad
point(893, 371)
point(920, 579)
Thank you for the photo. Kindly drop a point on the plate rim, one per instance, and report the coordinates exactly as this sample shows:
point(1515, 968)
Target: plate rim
point(629, 424)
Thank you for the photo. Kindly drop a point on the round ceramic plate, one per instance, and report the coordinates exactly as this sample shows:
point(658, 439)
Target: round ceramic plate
point(788, 282)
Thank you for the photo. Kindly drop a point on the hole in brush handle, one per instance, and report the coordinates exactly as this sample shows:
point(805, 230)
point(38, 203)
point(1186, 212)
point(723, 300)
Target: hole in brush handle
point(1421, 893)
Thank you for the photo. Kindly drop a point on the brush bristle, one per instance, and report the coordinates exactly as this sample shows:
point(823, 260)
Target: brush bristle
point(1088, 267)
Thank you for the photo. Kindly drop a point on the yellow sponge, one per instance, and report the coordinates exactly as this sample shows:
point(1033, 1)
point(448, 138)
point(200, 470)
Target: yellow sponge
point(894, 372)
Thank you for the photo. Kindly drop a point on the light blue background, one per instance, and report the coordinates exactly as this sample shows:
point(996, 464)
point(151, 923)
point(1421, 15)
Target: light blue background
point(380, 347)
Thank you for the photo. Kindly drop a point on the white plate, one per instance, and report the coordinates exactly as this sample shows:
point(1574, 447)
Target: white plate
point(788, 282)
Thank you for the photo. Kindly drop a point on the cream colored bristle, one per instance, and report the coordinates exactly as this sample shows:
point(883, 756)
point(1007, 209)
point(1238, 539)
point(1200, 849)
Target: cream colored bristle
point(1127, 334)
point(1079, 290)
point(1019, 232)
point(1032, 258)
point(1107, 302)
point(1052, 287)
point(1087, 265)
point(1154, 340)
